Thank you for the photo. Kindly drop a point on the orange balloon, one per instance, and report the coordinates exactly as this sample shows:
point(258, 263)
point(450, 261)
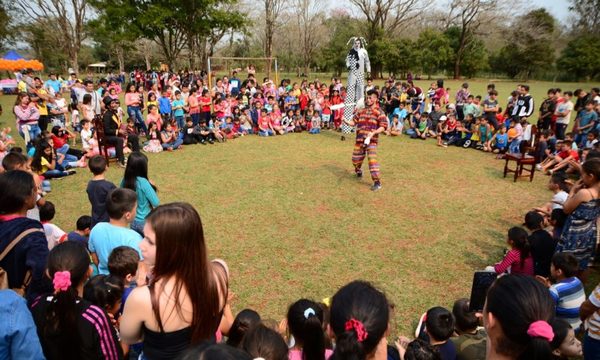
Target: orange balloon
point(512, 132)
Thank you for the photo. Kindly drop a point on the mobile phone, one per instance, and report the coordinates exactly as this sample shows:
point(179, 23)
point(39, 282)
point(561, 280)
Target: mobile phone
point(482, 280)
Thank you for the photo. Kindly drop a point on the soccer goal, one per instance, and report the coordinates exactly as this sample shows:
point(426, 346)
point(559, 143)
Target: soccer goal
point(225, 65)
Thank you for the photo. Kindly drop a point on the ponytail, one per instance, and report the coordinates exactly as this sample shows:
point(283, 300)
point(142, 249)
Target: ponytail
point(305, 321)
point(68, 265)
point(519, 237)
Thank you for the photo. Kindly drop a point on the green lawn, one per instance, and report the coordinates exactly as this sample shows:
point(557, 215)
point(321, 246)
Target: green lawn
point(292, 221)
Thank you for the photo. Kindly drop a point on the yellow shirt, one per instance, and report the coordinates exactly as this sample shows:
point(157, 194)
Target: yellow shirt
point(45, 164)
point(41, 105)
point(21, 86)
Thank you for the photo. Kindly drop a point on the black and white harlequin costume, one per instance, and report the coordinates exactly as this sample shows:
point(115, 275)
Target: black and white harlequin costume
point(357, 62)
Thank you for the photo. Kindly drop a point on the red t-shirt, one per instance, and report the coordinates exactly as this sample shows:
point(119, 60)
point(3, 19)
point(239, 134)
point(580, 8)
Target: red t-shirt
point(303, 101)
point(205, 99)
point(59, 141)
point(263, 122)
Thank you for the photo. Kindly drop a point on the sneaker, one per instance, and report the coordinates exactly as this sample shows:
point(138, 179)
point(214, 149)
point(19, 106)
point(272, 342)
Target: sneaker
point(467, 144)
point(71, 172)
point(444, 145)
point(376, 186)
point(359, 174)
point(538, 167)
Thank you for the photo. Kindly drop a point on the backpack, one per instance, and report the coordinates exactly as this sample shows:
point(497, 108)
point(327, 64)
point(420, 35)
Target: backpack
point(4, 274)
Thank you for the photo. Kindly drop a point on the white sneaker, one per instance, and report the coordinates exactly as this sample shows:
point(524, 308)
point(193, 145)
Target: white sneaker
point(538, 167)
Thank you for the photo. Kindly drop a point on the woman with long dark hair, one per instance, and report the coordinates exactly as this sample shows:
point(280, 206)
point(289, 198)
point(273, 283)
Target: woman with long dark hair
point(134, 103)
point(27, 115)
point(184, 301)
point(136, 179)
point(70, 327)
point(46, 162)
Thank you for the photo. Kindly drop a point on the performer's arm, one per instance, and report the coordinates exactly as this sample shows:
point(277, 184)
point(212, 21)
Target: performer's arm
point(367, 62)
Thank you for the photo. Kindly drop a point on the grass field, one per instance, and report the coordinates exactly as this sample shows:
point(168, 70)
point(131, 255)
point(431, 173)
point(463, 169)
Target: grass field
point(292, 221)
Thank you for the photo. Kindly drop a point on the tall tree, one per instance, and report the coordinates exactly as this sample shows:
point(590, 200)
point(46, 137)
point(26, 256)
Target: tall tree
point(467, 16)
point(580, 58)
point(68, 26)
point(474, 54)
point(273, 10)
point(434, 51)
point(309, 17)
point(586, 15)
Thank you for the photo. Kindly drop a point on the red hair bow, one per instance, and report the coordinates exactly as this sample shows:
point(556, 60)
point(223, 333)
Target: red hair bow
point(358, 328)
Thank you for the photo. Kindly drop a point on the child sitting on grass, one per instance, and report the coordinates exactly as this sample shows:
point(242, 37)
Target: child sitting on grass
point(169, 138)
point(305, 324)
point(82, 230)
point(518, 259)
point(153, 145)
point(315, 123)
point(396, 127)
point(561, 160)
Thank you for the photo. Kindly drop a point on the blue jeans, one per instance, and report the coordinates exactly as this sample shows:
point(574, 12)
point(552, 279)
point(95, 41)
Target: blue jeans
point(34, 132)
point(180, 122)
point(265, 132)
point(52, 174)
point(135, 113)
point(315, 131)
point(591, 348)
point(513, 148)
point(173, 144)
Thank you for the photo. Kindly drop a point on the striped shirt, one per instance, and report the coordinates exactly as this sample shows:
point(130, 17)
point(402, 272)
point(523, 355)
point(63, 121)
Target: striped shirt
point(369, 119)
point(568, 294)
point(512, 261)
point(593, 322)
point(98, 338)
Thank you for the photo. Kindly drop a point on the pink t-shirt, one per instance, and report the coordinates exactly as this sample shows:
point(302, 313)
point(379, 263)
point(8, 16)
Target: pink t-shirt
point(295, 354)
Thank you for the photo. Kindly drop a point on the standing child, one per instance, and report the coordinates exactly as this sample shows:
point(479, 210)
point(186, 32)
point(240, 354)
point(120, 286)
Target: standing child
point(178, 111)
point(164, 107)
point(98, 189)
point(120, 205)
point(54, 234)
point(86, 135)
point(82, 230)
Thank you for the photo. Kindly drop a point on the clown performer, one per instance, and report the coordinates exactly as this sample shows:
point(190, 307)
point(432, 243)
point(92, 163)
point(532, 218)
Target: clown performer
point(370, 121)
point(357, 62)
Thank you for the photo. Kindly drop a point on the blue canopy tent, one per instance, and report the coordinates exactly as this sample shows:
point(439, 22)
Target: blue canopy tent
point(12, 55)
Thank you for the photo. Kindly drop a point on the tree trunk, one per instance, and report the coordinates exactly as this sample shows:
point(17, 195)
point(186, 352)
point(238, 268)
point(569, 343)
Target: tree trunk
point(74, 59)
point(459, 53)
point(120, 58)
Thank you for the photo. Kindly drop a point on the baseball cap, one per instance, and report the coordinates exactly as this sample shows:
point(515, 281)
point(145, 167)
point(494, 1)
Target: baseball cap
point(443, 118)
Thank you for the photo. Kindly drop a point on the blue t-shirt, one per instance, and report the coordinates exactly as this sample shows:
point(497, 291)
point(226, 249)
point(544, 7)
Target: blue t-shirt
point(75, 236)
point(105, 237)
point(53, 84)
point(501, 140)
point(178, 112)
point(146, 198)
point(586, 118)
point(401, 113)
point(164, 105)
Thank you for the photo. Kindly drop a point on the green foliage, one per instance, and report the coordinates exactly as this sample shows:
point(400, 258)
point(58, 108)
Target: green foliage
point(433, 51)
point(341, 28)
point(529, 49)
point(44, 46)
point(580, 58)
point(398, 55)
point(474, 58)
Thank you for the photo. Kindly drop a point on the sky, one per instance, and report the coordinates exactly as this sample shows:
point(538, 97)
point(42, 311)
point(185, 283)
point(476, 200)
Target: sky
point(558, 8)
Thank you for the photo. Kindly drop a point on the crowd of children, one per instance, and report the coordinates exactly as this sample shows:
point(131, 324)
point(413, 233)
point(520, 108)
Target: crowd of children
point(131, 282)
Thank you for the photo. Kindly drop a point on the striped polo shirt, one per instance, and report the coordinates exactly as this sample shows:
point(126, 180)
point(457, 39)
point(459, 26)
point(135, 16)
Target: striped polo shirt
point(568, 294)
point(593, 322)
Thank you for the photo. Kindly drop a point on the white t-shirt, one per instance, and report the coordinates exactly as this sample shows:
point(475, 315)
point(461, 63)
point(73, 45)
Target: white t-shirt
point(86, 135)
point(590, 144)
point(54, 235)
point(559, 199)
point(565, 107)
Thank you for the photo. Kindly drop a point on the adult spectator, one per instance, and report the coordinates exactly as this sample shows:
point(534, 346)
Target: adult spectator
point(23, 244)
point(183, 303)
point(53, 85)
point(114, 133)
point(524, 105)
point(27, 116)
point(516, 317)
point(88, 88)
point(583, 207)
point(582, 98)
point(590, 313)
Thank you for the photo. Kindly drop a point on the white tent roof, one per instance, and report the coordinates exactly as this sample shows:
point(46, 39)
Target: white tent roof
point(98, 65)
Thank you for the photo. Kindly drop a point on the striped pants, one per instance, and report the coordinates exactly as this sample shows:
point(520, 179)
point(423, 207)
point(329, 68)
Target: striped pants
point(358, 155)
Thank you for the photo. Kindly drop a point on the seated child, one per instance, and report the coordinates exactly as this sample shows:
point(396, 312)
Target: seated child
point(518, 259)
point(564, 344)
point(82, 230)
point(244, 321)
point(169, 138)
point(216, 129)
point(449, 134)
point(245, 125)
point(288, 121)
point(153, 145)
point(265, 128)
point(560, 190)
point(299, 122)
point(439, 326)
point(315, 123)
point(206, 134)
point(189, 136)
point(54, 234)
point(276, 123)
point(470, 338)
point(396, 127)
point(542, 244)
point(421, 128)
point(500, 141)
point(305, 324)
point(485, 135)
point(121, 206)
point(561, 160)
